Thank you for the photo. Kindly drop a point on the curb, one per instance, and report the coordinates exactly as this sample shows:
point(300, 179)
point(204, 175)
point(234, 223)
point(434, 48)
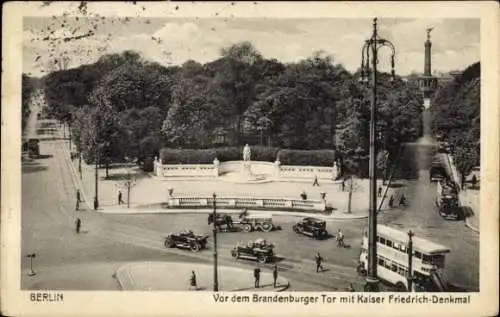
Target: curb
point(125, 280)
point(230, 211)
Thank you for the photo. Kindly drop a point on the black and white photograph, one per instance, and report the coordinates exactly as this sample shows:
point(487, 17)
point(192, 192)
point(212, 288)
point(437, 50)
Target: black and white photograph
point(252, 155)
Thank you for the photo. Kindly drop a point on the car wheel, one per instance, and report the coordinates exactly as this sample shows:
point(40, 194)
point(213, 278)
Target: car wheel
point(168, 243)
point(262, 259)
point(266, 227)
point(195, 247)
point(400, 287)
point(247, 228)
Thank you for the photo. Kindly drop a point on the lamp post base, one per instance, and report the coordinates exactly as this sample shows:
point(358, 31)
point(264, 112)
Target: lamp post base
point(31, 273)
point(372, 285)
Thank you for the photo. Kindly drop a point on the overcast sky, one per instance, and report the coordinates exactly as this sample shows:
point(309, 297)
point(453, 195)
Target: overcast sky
point(456, 42)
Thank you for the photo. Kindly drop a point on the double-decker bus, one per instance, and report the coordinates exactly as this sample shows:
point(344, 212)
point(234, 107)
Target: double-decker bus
point(392, 261)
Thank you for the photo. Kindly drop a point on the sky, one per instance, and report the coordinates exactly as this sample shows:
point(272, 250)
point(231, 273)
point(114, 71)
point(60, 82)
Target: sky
point(172, 41)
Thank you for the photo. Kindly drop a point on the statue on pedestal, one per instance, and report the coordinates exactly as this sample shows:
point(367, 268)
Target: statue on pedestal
point(335, 171)
point(246, 153)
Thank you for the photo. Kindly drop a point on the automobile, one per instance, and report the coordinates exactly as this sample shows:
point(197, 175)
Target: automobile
point(437, 173)
point(259, 250)
point(312, 227)
point(186, 240)
point(255, 222)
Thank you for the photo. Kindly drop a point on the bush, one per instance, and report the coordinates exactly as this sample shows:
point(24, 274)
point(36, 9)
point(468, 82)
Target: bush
point(307, 157)
point(223, 154)
point(185, 156)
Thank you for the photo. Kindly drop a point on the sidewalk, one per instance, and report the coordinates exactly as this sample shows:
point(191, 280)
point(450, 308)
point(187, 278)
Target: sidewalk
point(336, 215)
point(470, 198)
point(171, 276)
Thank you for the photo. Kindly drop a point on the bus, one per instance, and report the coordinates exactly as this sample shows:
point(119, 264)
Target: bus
point(392, 261)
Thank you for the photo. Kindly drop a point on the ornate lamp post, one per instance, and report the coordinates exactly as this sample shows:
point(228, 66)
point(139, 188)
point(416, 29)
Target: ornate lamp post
point(410, 260)
point(370, 49)
point(214, 231)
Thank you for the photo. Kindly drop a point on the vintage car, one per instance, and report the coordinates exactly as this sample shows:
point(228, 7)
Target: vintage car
point(255, 222)
point(259, 250)
point(312, 227)
point(186, 240)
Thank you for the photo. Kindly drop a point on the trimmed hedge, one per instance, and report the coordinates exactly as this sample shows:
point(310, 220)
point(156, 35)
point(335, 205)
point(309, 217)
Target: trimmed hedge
point(307, 157)
point(207, 156)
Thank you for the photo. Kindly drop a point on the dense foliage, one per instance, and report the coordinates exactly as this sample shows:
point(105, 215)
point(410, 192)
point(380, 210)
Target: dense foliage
point(305, 157)
point(29, 85)
point(223, 154)
point(240, 98)
point(456, 117)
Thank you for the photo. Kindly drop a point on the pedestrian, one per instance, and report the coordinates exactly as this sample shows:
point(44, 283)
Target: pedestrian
point(343, 185)
point(319, 261)
point(315, 183)
point(402, 201)
point(340, 238)
point(275, 275)
point(391, 201)
point(256, 275)
point(379, 191)
point(78, 225)
point(303, 195)
point(120, 197)
point(474, 181)
point(192, 281)
point(78, 199)
point(351, 288)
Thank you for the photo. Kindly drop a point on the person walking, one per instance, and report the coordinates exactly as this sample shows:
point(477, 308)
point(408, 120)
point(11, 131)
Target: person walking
point(256, 275)
point(78, 225)
point(343, 185)
point(120, 197)
point(78, 199)
point(319, 262)
point(379, 193)
point(340, 239)
point(402, 201)
point(275, 274)
point(391, 202)
point(192, 281)
point(315, 183)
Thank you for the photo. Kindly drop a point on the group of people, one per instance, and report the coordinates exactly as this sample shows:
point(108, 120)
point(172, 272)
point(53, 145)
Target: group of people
point(402, 200)
point(256, 275)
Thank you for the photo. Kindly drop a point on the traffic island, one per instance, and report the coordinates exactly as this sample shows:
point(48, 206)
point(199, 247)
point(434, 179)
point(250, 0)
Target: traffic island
point(176, 276)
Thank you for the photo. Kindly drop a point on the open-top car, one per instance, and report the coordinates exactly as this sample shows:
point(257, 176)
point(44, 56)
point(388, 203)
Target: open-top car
point(256, 222)
point(260, 250)
point(186, 240)
point(312, 227)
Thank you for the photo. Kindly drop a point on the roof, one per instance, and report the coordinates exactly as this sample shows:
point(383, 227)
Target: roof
point(421, 244)
point(313, 219)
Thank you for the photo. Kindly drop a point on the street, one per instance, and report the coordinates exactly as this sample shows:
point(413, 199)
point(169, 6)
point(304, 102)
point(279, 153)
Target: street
point(88, 260)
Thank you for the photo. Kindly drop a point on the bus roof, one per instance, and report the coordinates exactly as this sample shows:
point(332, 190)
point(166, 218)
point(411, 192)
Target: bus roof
point(421, 244)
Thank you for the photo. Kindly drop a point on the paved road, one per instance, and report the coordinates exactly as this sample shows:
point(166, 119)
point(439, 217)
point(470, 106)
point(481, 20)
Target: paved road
point(110, 240)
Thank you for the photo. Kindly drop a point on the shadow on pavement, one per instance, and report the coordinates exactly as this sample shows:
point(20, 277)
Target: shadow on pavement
point(45, 156)
point(33, 169)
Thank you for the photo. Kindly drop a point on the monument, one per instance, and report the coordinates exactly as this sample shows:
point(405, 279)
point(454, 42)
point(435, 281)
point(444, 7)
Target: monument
point(246, 167)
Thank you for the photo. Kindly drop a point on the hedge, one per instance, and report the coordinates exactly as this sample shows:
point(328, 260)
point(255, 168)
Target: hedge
point(223, 154)
point(307, 157)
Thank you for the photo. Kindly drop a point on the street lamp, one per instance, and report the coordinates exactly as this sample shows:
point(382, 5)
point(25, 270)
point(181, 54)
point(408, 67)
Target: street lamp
point(30, 260)
point(372, 46)
point(214, 231)
point(410, 260)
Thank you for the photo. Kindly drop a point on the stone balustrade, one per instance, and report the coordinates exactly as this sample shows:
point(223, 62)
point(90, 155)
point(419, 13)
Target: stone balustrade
point(290, 204)
point(270, 170)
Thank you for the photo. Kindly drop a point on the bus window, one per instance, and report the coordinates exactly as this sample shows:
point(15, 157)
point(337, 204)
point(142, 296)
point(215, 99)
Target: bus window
point(382, 240)
point(426, 259)
point(389, 243)
point(380, 261)
point(401, 271)
point(418, 254)
point(394, 268)
point(402, 247)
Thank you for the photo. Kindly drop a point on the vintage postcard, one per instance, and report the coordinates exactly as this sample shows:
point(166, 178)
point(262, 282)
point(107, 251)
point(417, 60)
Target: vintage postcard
point(253, 158)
